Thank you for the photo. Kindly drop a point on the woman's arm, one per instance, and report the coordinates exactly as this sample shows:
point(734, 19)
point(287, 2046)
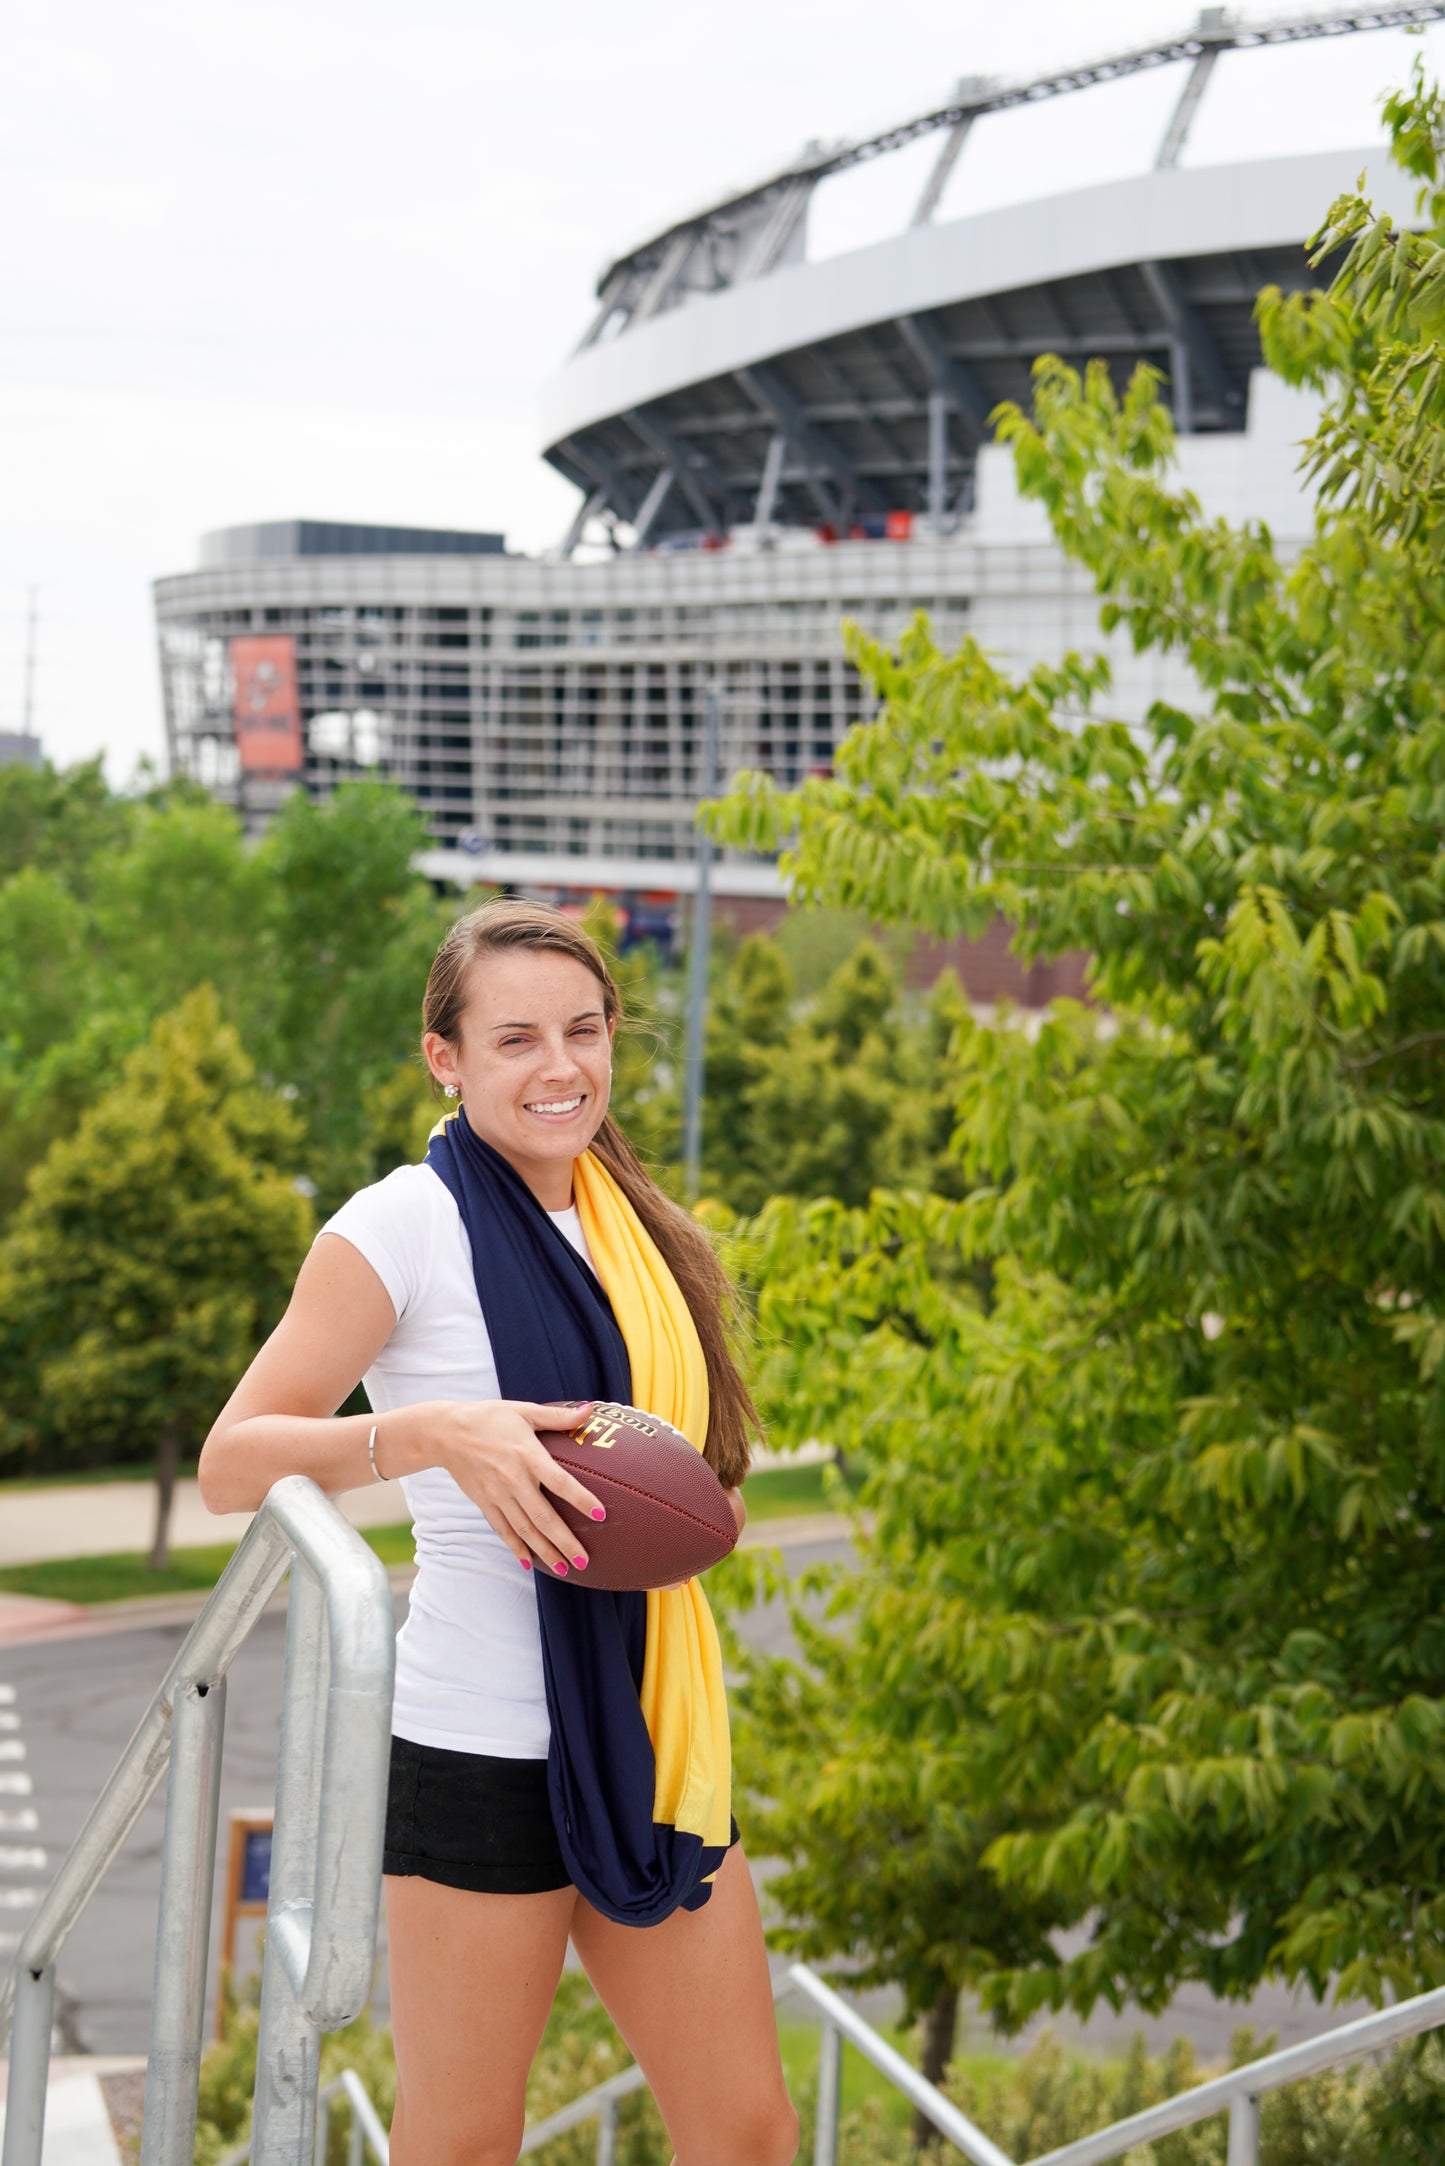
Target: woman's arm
point(282, 1419)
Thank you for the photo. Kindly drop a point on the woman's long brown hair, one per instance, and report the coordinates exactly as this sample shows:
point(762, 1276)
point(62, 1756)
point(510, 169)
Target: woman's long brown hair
point(498, 927)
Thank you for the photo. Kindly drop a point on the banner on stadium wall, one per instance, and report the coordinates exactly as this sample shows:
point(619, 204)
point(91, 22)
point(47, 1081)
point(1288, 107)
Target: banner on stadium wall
point(266, 710)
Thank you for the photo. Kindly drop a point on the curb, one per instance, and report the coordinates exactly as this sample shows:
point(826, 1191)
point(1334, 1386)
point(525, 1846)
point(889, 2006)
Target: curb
point(85, 1620)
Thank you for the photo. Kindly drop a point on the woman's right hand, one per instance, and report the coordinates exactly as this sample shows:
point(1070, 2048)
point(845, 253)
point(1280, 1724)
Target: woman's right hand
point(490, 1449)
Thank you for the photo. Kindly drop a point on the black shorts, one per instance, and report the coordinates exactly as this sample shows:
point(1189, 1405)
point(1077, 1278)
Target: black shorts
point(468, 1820)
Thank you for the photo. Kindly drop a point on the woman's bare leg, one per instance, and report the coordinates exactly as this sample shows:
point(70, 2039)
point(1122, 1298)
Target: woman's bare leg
point(693, 1999)
point(472, 1980)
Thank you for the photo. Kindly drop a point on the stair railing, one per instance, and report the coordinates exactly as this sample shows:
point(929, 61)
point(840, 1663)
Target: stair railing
point(325, 1853)
point(1238, 2093)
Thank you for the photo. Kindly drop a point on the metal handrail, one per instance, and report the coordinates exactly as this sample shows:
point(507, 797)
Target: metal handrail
point(1241, 2089)
point(1237, 2093)
point(602, 2100)
point(326, 1848)
point(840, 2022)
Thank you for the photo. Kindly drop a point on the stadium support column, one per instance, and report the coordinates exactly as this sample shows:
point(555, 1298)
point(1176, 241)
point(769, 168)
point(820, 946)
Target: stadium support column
point(1200, 376)
point(694, 473)
point(948, 156)
point(951, 383)
point(813, 445)
point(698, 946)
point(938, 461)
point(650, 507)
point(669, 269)
point(768, 487)
point(587, 509)
point(928, 340)
point(787, 212)
point(1211, 26)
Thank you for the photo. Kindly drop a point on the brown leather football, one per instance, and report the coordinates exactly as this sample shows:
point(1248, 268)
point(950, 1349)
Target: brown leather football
point(668, 1516)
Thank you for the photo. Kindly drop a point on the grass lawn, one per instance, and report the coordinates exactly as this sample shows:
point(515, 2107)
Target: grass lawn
point(788, 1492)
point(781, 1493)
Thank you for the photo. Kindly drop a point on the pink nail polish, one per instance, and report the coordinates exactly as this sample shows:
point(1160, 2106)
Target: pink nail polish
point(560, 1569)
point(598, 1512)
point(525, 1563)
point(581, 1563)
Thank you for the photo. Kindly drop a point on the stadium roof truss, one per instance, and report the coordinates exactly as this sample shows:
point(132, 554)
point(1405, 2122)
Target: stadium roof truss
point(889, 415)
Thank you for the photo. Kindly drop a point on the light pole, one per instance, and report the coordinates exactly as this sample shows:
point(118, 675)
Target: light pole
point(699, 943)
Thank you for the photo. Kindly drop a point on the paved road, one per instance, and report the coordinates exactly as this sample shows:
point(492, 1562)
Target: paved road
point(67, 1707)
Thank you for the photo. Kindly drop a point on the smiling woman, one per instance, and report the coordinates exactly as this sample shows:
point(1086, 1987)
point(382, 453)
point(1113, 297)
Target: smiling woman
point(560, 1761)
point(530, 1056)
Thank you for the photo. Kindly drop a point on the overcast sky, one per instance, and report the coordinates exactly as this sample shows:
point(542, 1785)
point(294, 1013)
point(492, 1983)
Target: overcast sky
point(316, 257)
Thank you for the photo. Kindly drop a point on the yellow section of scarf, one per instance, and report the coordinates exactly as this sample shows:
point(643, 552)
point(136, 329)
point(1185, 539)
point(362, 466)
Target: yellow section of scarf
point(684, 1703)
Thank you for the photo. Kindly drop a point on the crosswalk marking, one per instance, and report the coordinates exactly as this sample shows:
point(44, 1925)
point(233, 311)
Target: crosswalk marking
point(19, 1862)
point(24, 1858)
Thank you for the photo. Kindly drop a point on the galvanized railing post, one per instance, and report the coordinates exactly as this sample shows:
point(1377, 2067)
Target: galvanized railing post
point(848, 2024)
point(331, 1813)
point(830, 2094)
point(29, 2065)
point(1243, 2130)
point(607, 2133)
point(365, 2121)
point(288, 2044)
point(183, 1923)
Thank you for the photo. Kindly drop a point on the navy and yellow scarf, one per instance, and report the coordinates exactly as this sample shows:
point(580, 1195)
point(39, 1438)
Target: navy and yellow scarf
point(639, 1771)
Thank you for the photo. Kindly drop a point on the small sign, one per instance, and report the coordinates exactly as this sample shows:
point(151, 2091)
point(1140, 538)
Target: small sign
point(256, 1867)
point(248, 1882)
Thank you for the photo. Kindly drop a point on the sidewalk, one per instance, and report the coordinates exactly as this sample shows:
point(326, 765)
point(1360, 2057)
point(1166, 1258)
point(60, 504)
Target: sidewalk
point(78, 2128)
point(102, 1519)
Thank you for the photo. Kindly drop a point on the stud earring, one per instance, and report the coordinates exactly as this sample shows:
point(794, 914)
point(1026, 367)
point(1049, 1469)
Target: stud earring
point(450, 1090)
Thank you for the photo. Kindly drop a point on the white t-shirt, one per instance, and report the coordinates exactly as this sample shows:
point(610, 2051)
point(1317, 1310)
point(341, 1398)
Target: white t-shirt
point(469, 1657)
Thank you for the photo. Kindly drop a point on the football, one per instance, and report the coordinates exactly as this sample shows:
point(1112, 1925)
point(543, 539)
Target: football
point(668, 1516)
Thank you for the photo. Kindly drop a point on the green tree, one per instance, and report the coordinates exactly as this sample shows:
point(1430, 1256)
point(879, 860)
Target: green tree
point(345, 938)
point(646, 1062)
point(827, 1098)
point(865, 1323)
point(155, 1246)
point(50, 980)
point(180, 905)
point(1181, 1617)
point(58, 820)
point(749, 1015)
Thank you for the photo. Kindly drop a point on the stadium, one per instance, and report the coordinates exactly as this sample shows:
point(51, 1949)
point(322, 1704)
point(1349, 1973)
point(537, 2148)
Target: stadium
point(766, 438)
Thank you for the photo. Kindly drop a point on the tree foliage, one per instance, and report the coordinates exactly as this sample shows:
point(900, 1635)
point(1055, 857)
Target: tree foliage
point(1161, 1527)
point(155, 1247)
point(317, 942)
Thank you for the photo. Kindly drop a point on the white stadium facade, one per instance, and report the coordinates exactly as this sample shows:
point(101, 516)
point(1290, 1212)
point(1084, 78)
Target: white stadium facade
point(763, 443)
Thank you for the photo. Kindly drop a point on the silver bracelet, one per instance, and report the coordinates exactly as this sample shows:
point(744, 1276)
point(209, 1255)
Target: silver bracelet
point(376, 1472)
